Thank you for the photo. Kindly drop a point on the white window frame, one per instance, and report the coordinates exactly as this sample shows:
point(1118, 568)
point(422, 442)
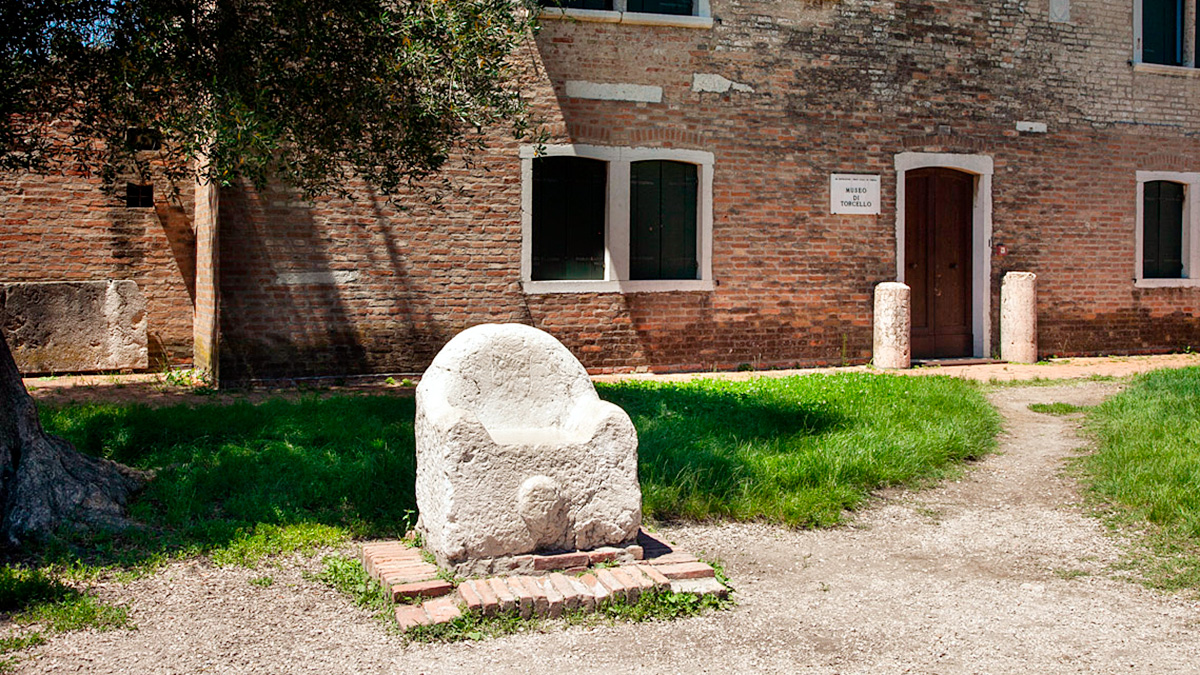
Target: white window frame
point(616, 227)
point(702, 18)
point(1191, 222)
point(1189, 43)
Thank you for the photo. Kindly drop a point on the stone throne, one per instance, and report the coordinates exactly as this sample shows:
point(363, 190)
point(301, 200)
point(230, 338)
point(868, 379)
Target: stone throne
point(517, 454)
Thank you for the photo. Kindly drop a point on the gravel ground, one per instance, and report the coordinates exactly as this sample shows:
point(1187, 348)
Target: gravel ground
point(1000, 571)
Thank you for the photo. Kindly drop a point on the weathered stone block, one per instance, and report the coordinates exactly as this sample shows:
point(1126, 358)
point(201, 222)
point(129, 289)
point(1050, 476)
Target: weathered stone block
point(75, 326)
point(893, 326)
point(516, 453)
point(1018, 317)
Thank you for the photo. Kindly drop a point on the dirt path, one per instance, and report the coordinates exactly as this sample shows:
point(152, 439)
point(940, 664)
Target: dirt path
point(998, 572)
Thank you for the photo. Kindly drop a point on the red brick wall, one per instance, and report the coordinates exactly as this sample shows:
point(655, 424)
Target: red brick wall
point(66, 228)
point(366, 286)
point(838, 87)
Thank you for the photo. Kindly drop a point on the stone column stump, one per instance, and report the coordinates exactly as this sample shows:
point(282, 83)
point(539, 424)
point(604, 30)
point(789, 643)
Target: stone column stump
point(1018, 318)
point(893, 326)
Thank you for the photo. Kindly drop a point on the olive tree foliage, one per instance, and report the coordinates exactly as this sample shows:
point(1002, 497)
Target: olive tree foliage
point(308, 93)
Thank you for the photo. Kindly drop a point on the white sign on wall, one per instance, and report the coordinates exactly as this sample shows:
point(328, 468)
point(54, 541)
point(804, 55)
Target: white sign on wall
point(854, 193)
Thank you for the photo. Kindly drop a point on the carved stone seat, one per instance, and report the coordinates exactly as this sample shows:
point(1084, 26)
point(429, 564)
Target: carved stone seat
point(516, 453)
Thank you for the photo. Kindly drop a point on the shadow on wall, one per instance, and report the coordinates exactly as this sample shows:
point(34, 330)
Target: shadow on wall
point(310, 288)
point(136, 252)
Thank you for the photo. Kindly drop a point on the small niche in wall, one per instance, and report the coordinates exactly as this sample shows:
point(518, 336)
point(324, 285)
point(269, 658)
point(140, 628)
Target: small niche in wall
point(139, 196)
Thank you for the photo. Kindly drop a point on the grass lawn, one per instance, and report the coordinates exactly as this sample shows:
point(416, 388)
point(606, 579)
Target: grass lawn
point(240, 481)
point(1146, 466)
point(797, 450)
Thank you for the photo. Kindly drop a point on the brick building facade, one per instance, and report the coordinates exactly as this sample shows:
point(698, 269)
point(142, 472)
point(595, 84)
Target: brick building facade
point(1048, 114)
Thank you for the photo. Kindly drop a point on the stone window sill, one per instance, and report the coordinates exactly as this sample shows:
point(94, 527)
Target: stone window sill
point(628, 286)
point(1166, 283)
point(629, 18)
point(1159, 69)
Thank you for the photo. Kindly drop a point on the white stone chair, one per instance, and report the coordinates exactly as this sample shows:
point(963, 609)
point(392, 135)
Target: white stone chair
point(516, 453)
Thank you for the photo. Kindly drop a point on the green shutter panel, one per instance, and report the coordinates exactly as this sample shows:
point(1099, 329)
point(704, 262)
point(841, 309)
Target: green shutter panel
point(662, 220)
point(1162, 26)
point(677, 7)
point(645, 201)
point(1162, 233)
point(569, 202)
point(679, 221)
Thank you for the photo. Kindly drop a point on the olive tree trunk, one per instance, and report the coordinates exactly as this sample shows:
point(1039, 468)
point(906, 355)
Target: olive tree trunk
point(44, 481)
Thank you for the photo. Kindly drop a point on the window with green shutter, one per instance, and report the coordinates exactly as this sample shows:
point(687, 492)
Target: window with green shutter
point(677, 7)
point(1162, 233)
point(569, 202)
point(662, 220)
point(1162, 32)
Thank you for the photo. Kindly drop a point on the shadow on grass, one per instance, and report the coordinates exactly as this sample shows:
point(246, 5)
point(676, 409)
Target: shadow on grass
point(241, 480)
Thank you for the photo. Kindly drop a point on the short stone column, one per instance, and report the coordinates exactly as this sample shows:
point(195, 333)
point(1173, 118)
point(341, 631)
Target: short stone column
point(1018, 317)
point(893, 326)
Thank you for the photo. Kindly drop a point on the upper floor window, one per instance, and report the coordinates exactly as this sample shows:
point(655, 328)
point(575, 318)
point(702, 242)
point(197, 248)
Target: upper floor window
point(678, 13)
point(675, 7)
point(1161, 32)
point(1168, 245)
point(602, 219)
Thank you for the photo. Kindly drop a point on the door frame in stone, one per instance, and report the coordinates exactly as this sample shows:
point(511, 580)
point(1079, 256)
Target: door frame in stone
point(980, 166)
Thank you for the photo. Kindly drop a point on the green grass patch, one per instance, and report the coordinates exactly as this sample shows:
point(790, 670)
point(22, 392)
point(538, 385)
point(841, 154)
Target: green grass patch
point(996, 383)
point(77, 613)
point(1057, 408)
point(1146, 469)
point(797, 450)
point(241, 481)
point(347, 576)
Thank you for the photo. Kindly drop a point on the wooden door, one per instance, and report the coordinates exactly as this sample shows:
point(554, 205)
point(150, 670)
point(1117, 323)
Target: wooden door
point(938, 205)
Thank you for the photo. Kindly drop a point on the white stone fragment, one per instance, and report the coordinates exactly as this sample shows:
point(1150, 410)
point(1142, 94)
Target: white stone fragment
point(516, 453)
point(1018, 317)
point(893, 326)
point(637, 93)
point(717, 84)
point(1060, 11)
point(1032, 127)
point(332, 278)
